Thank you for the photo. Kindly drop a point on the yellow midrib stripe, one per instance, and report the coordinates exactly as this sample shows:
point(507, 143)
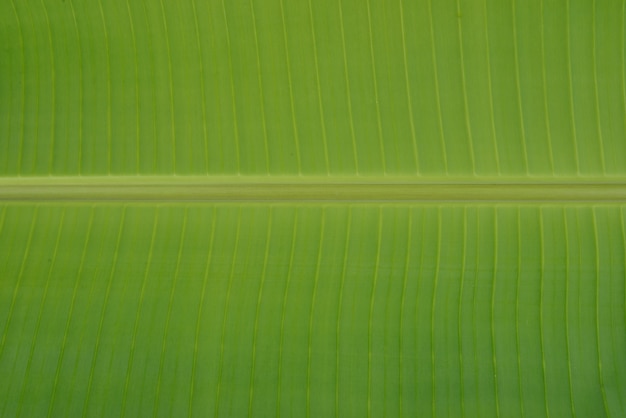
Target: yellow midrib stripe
point(300, 188)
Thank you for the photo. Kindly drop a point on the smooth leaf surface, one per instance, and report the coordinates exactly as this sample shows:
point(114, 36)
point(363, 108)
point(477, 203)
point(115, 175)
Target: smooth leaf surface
point(327, 309)
point(313, 87)
point(312, 208)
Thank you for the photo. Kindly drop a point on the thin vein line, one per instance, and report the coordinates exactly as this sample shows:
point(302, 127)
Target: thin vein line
point(98, 265)
point(623, 230)
point(53, 88)
point(110, 374)
point(541, 299)
point(33, 344)
point(371, 312)
point(313, 299)
point(571, 86)
point(493, 309)
point(518, 280)
point(79, 273)
point(579, 308)
point(260, 82)
point(199, 316)
point(293, 110)
point(11, 241)
point(519, 90)
point(474, 324)
point(402, 303)
point(605, 402)
point(103, 311)
point(437, 90)
point(595, 86)
point(567, 336)
point(129, 366)
point(107, 366)
point(283, 309)
point(69, 133)
point(319, 91)
point(114, 341)
point(420, 279)
point(490, 88)
point(171, 85)
point(80, 89)
point(35, 145)
point(460, 313)
point(348, 95)
point(623, 235)
point(108, 70)
point(202, 88)
point(376, 99)
point(387, 333)
point(432, 312)
point(2, 219)
point(268, 239)
point(218, 129)
point(9, 119)
point(134, 42)
point(623, 53)
point(225, 315)
point(23, 113)
point(154, 84)
point(18, 282)
point(408, 88)
point(468, 125)
point(232, 89)
point(339, 306)
point(168, 316)
point(544, 78)
point(612, 326)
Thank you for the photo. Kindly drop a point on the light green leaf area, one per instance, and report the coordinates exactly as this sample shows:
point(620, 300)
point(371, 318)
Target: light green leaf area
point(222, 309)
point(312, 208)
point(312, 87)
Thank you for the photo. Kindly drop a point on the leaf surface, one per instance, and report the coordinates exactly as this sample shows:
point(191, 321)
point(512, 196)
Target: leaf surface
point(312, 208)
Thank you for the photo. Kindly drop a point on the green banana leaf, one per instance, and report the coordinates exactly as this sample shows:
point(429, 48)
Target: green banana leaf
point(313, 208)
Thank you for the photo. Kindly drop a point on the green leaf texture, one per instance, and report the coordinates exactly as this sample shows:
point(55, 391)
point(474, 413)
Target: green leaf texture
point(467, 87)
point(313, 208)
point(221, 309)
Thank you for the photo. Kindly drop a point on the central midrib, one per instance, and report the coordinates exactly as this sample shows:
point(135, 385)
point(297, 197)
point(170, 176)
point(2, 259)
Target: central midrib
point(303, 188)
